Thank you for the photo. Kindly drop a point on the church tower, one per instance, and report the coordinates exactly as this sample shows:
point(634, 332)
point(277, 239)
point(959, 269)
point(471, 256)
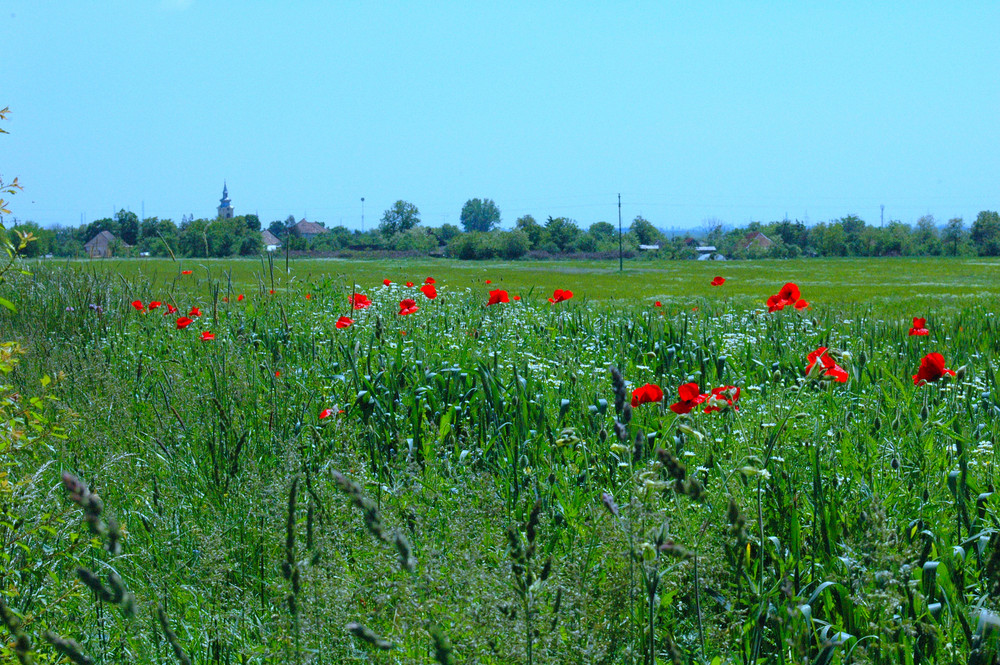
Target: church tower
point(225, 205)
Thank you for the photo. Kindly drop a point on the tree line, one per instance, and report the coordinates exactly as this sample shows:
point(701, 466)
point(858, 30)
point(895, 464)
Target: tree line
point(480, 237)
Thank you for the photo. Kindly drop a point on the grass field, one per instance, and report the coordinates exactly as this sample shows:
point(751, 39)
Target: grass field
point(471, 483)
point(828, 280)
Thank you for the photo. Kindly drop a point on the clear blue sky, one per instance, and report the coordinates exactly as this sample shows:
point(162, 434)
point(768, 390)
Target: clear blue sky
point(734, 110)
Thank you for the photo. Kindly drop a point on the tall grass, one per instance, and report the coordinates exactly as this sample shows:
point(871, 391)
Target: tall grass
point(820, 522)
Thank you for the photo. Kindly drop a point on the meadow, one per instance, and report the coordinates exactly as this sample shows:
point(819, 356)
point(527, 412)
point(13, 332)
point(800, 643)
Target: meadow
point(501, 483)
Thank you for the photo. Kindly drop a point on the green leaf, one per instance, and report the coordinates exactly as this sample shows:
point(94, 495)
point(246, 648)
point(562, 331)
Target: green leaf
point(8, 304)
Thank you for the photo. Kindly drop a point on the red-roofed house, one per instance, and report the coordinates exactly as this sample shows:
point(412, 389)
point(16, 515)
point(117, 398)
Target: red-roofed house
point(757, 240)
point(308, 230)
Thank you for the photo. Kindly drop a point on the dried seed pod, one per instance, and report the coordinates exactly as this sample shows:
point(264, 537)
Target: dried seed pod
point(366, 634)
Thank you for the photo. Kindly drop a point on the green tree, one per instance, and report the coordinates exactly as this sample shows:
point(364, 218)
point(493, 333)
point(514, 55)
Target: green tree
point(402, 216)
point(562, 232)
point(926, 241)
point(645, 233)
point(158, 236)
point(953, 235)
point(853, 226)
point(480, 215)
point(985, 233)
point(446, 233)
point(531, 228)
point(603, 232)
point(128, 227)
point(278, 228)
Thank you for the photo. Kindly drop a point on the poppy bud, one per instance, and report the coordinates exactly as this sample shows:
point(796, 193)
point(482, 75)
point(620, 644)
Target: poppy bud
point(895, 463)
point(924, 412)
point(776, 375)
point(960, 372)
point(648, 552)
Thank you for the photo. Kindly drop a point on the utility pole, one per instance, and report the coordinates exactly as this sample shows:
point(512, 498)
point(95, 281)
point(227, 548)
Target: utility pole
point(620, 261)
point(882, 220)
point(362, 214)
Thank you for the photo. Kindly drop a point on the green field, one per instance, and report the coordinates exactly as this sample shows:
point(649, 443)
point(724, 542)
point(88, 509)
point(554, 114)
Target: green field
point(826, 280)
point(460, 484)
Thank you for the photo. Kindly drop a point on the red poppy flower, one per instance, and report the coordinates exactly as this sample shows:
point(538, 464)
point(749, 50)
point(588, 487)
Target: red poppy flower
point(429, 280)
point(931, 369)
point(718, 281)
point(154, 304)
point(690, 398)
point(185, 272)
point(407, 306)
point(648, 394)
point(184, 322)
point(517, 297)
point(360, 301)
point(489, 281)
point(723, 397)
point(239, 298)
point(560, 295)
point(344, 322)
point(410, 284)
point(271, 292)
point(194, 312)
point(917, 329)
point(170, 309)
point(429, 291)
point(325, 413)
point(657, 304)
point(830, 366)
point(801, 304)
point(138, 306)
point(277, 374)
point(497, 297)
point(225, 298)
point(309, 296)
point(207, 336)
point(788, 294)
point(387, 281)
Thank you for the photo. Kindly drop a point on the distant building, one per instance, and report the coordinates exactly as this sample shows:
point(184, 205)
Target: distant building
point(99, 247)
point(308, 230)
point(709, 253)
point(225, 205)
point(758, 240)
point(271, 242)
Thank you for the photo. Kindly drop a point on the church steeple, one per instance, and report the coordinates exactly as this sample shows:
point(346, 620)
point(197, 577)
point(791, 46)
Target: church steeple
point(225, 205)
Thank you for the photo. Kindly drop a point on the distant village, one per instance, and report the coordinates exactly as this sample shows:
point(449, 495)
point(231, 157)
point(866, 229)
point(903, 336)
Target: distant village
point(480, 236)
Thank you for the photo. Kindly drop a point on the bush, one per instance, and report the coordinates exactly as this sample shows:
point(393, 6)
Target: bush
point(475, 245)
point(514, 244)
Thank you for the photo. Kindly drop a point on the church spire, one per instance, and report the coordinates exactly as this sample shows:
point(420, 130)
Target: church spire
point(225, 205)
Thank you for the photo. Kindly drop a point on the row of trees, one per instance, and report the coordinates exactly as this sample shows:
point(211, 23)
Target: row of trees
point(238, 236)
point(481, 238)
